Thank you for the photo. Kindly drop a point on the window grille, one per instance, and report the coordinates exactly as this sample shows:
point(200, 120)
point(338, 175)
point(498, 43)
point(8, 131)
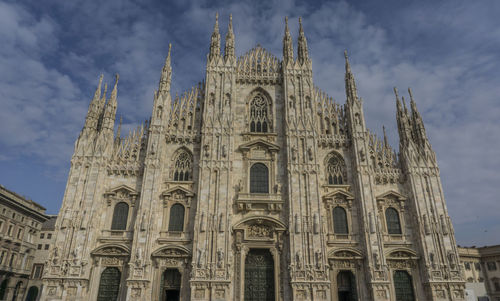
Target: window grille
point(176, 220)
point(259, 178)
point(120, 216)
point(403, 286)
point(392, 220)
point(259, 115)
point(109, 285)
point(340, 221)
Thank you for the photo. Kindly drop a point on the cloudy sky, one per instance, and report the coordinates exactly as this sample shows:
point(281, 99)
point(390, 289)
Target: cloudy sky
point(52, 53)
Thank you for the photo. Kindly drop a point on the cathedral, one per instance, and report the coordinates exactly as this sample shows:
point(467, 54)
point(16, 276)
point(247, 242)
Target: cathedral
point(252, 185)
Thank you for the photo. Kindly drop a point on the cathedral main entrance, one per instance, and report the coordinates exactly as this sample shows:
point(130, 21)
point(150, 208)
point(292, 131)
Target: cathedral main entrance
point(346, 286)
point(259, 275)
point(171, 285)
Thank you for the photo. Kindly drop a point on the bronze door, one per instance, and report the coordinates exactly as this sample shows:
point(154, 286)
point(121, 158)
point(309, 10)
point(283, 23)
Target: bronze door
point(109, 285)
point(259, 275)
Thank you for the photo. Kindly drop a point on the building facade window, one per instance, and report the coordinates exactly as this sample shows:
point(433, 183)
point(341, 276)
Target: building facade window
point(39, 246)
point(392, 220)
point(467, 265)
point(340, 221)
point(259, 178)
point(42, 235)
point(259, 114)
point(46, 247)
point(335, 170)
point(492, 266)
point(120, 216)
point(37, 271)
point(183, 166)
point(176, 220)
point(49, 235)
point(477, 266)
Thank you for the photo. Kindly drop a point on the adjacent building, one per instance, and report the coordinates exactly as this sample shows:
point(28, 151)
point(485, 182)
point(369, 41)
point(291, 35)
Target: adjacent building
point(20, 224)
point(482, 271)
point(253, 185)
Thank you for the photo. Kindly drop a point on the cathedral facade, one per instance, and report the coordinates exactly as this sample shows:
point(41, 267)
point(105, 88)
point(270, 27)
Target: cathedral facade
point(252, 185)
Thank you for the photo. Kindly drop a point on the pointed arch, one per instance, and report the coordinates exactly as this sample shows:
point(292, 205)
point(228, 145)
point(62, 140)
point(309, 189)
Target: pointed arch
point(260, 111)
point(336, 173)
point(182, 169)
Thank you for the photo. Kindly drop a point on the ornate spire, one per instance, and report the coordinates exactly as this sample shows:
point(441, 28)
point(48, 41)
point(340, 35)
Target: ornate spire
point(93, 111)
point(229, 48)
point(350, 83)
point(386, 143)
point(302, 53)
point(110, 110)
point(215, 40)
point(119, 131)
point(287, 44)
point(166, 73)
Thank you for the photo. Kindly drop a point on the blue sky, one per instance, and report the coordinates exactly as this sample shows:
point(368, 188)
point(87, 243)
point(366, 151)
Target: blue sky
point(448, 51)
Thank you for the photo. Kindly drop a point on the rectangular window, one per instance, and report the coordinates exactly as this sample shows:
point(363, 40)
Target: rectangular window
point(467, 266)
point(42, 235)
point(37, 271)
point(46, 247)
point(19, 233)
point(492, 266)
point(39, 247)
point(49, 235)
point(1, 224)
point(477, 266)
point(13, 215)
point(9, 232)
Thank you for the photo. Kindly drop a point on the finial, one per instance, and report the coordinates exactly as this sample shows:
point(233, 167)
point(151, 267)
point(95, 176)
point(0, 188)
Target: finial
point(286, 23)
point(345, 54)
point(396, 93)
point(216, 26)
point(169, 49)
point(385, 136)
point(300, 25)
point(411, 94)
point(347, 64)
point(117, 76)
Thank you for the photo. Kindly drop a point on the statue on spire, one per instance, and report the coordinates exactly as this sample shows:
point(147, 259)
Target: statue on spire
point(215, 40)
point(287, 44)
point(350, 83)
point(302, 53)
point(229, 48)
point(166, 73)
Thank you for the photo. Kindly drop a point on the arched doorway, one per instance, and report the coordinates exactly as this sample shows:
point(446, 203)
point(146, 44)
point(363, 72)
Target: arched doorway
point(32, 293)
point(109, 286)
point(16, 290)
point(403, 286)
point(171, 285)
point(259, 275)
point(3, 288)
point(346, 286)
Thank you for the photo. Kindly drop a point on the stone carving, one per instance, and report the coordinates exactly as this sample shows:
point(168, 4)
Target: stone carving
point(259, 231)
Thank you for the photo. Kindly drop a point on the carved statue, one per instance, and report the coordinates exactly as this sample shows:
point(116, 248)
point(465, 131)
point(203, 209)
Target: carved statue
point(220, 258)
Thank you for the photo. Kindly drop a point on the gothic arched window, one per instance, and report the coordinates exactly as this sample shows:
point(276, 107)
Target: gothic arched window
point(335, 170)
point(259, 114)
point(109, 284)
point(392, 220)
point(176, 220)
point(340, 221)
point(182, 167)
point(259, 178)
point(403, 286)
point(120, 216)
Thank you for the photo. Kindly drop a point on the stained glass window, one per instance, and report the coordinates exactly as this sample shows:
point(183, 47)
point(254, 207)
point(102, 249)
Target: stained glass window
point(120, 216)
point(176, 220)
point(392, 220)
point(259, 120)
point(335, 170)
point(403, 286)
point(340, 221)
point(182, 167)
point(109, 285)
point(259, 178)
